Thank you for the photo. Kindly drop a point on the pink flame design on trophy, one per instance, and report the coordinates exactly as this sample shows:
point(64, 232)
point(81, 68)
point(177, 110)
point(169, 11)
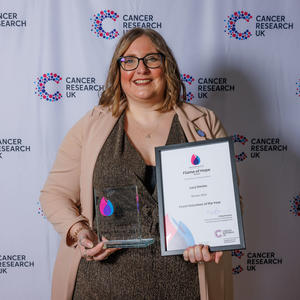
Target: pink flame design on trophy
point(106, 208)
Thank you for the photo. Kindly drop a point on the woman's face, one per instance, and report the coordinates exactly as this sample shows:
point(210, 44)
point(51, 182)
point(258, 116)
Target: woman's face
point(143, 83)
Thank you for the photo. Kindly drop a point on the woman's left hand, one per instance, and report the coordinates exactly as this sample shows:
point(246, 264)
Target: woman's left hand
point(200, 253)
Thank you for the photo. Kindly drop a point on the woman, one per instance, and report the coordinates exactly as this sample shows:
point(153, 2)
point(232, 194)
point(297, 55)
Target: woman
point(113, 145)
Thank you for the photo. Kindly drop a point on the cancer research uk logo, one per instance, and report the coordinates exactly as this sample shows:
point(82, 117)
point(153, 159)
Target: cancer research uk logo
point(257, 146)
point(97, 26)
point(125, 22)
point(206, 85)
point(253, 260)
point(40, 88)
point(68, 86)
point(260, 24)
point(230, 26)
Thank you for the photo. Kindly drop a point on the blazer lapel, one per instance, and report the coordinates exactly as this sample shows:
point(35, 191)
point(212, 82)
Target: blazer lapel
point(188, 117)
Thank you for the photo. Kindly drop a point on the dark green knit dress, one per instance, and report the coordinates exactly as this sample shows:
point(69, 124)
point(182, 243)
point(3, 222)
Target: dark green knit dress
point(134, 273)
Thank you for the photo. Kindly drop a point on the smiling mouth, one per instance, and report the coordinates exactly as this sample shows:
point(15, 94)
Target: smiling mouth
point(142, 81)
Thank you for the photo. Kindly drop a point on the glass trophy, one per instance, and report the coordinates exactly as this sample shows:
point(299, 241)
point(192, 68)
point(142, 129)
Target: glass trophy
point(118, 208)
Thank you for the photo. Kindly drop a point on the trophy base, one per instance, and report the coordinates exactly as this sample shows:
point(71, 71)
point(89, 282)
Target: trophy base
point(134, 243)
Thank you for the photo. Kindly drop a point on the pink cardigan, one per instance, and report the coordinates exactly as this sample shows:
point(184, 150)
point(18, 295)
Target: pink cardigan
point(67, 195)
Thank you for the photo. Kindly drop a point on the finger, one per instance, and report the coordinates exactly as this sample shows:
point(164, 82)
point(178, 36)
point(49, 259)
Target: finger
point(82, 250)
point(198, 253)
point(105, 253)
point(83, 253)
point(96, 250)
point(115, 249)
point(86, 243)
point(86, 238)
point(207, 256)
point(89, 258)
point(218, 256)
point(186, 255)
point(191, 253)
point(102, 256)
point(99, 249)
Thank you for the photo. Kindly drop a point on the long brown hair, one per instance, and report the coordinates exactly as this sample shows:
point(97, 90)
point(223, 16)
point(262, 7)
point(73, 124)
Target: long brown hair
point(113, 93)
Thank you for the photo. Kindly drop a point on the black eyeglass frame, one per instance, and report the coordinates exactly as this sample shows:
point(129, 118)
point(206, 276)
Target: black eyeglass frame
point(143, 59)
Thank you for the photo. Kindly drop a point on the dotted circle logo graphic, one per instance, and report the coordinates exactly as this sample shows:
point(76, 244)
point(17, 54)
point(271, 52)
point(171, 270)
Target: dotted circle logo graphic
point(189, 96)
point(106, 207)
point(243, 140)
point(237, 270)
point(237, 253)
point(230, 27)
point(195, 160)
point(241, 157)
point(298, 88)
point(295, 206)
point(40, 88)
point(97, 26)
point(187, 78)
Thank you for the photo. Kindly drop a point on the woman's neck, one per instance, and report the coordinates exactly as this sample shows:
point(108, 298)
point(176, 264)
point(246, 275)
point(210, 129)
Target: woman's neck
point(143, 113)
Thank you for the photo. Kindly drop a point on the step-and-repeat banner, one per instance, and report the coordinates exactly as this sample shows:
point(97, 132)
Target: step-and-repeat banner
point(239, 58)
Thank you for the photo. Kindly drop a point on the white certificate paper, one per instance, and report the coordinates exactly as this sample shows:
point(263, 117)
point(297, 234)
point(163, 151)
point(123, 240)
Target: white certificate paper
point(198, 196)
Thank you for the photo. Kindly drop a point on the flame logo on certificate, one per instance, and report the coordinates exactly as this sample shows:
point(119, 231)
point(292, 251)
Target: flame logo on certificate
point(106, 208)
point(195, 160)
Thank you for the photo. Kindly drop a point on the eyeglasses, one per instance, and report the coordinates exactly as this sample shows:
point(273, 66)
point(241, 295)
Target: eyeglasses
point(151, 61)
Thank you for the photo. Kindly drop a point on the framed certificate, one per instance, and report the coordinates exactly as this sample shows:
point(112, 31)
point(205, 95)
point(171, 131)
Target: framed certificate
point(198, 196)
